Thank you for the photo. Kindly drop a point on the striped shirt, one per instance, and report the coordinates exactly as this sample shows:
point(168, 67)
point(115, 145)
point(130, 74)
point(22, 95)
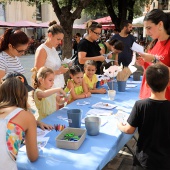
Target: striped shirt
point(10, 64)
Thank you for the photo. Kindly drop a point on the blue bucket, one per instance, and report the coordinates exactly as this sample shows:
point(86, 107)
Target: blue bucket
point(121, 86)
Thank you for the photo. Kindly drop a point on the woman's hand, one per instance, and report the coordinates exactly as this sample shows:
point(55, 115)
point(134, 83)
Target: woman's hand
point(140, 61)
point(147, 57)
point(63, 70)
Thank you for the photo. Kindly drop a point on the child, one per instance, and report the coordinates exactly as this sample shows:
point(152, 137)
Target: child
point(76, 85)
point(15, 122)
point(45, 96)
point(40, 124)
point(115, 46)
point(91, 78)
point(151, 116)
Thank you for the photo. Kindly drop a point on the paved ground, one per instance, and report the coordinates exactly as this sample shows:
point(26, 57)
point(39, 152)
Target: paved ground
point(123, 160)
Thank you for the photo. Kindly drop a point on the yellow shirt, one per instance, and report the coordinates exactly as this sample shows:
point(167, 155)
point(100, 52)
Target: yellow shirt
point(89, 82)
point(45, 106)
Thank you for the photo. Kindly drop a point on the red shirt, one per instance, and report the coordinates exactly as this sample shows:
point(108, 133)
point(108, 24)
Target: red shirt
point(162, 52)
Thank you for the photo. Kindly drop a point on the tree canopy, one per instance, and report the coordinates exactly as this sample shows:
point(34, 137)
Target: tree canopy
point(67, 11)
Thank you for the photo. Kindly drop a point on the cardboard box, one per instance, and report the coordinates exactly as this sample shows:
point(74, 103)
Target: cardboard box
point(61, 143)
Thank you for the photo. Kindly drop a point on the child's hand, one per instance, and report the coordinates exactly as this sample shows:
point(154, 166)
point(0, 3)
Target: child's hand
point(102, 90)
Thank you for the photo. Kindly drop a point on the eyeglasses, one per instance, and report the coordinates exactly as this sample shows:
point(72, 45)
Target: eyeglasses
point(96, 33)
point(19, 51)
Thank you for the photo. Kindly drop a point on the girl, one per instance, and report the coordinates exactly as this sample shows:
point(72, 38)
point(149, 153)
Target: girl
point(76, 85)
point(91, 78)
point(45, 96)
point(15, 122)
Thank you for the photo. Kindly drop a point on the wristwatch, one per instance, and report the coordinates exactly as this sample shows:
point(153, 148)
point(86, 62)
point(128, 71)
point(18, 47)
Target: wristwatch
point(155, 60)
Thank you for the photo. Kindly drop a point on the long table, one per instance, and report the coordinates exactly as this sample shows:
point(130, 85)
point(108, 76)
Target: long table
point(96, 151)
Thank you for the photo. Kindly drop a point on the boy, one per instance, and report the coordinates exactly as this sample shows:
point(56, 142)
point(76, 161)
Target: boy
point(152, 118)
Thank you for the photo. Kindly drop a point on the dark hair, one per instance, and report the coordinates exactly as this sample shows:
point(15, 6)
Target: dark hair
point(54, 28)
point(157, 77)
point(125, 23)
point(118, 45)
point(92, 25)
point(13, 93)
point(155, 16)
point(90, 62)
point(78, 35)
point(75, 70)
point(13, 37)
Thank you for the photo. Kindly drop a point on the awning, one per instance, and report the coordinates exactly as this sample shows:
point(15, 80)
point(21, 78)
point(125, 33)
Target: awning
point(104, 20)
point(26, 24)
point(6, 24)
point(138, 22)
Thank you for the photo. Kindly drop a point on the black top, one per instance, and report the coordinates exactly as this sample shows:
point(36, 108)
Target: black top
point(152, 117)
point(125, 57)
point(92, 49)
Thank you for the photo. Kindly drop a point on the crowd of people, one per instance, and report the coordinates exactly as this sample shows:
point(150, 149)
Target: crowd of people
point(150, 115)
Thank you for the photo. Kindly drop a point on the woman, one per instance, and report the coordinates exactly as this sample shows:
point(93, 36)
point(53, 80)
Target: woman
point(15, 123)
point(157, 25)
point(13, 44)
point(46, 54)
point(88, 49)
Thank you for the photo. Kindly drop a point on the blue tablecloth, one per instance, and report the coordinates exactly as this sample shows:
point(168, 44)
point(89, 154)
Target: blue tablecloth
point(96, 151)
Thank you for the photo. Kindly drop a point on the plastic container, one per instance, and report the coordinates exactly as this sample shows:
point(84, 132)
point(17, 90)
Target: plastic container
point(70, 144)
point(121, 86)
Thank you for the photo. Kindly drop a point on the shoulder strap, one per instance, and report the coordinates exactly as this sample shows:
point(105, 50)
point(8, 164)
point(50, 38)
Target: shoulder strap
point(13, 113)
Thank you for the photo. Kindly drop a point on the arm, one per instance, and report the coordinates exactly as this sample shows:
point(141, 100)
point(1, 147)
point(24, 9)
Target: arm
point(49, 92)
point(31, 136)
point(99, 91)
point(75, 96)
point(40, 58)
point(83, 58)
point(2, 74)
point(126, 128)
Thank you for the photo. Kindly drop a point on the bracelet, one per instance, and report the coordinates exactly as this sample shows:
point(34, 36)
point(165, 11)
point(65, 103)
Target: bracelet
point(155, 60)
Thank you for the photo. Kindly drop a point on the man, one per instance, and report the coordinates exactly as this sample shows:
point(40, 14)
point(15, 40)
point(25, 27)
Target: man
point(125, 57)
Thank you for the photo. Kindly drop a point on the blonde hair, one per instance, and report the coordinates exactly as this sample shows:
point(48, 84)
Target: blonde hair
point(92, 25)
point(43, 72)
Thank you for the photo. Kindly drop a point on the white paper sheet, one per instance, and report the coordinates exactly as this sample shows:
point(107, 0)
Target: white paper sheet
point(41, 143)
point(122, 116)
point(133, 82)
point(99, 112)
point(101, 105)
point(42, 133)
point(137, 48)
point(131, 85)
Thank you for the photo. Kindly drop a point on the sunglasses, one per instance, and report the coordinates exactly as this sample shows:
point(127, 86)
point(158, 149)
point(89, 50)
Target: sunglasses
point(19, 51)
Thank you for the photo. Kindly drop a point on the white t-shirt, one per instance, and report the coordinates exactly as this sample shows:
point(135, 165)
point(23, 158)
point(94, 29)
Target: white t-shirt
point(10, 64)
point(53, 61)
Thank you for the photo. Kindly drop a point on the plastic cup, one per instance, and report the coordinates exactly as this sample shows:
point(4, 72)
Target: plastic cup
point(111, 94)
point(92, 125)
point(74, 118)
